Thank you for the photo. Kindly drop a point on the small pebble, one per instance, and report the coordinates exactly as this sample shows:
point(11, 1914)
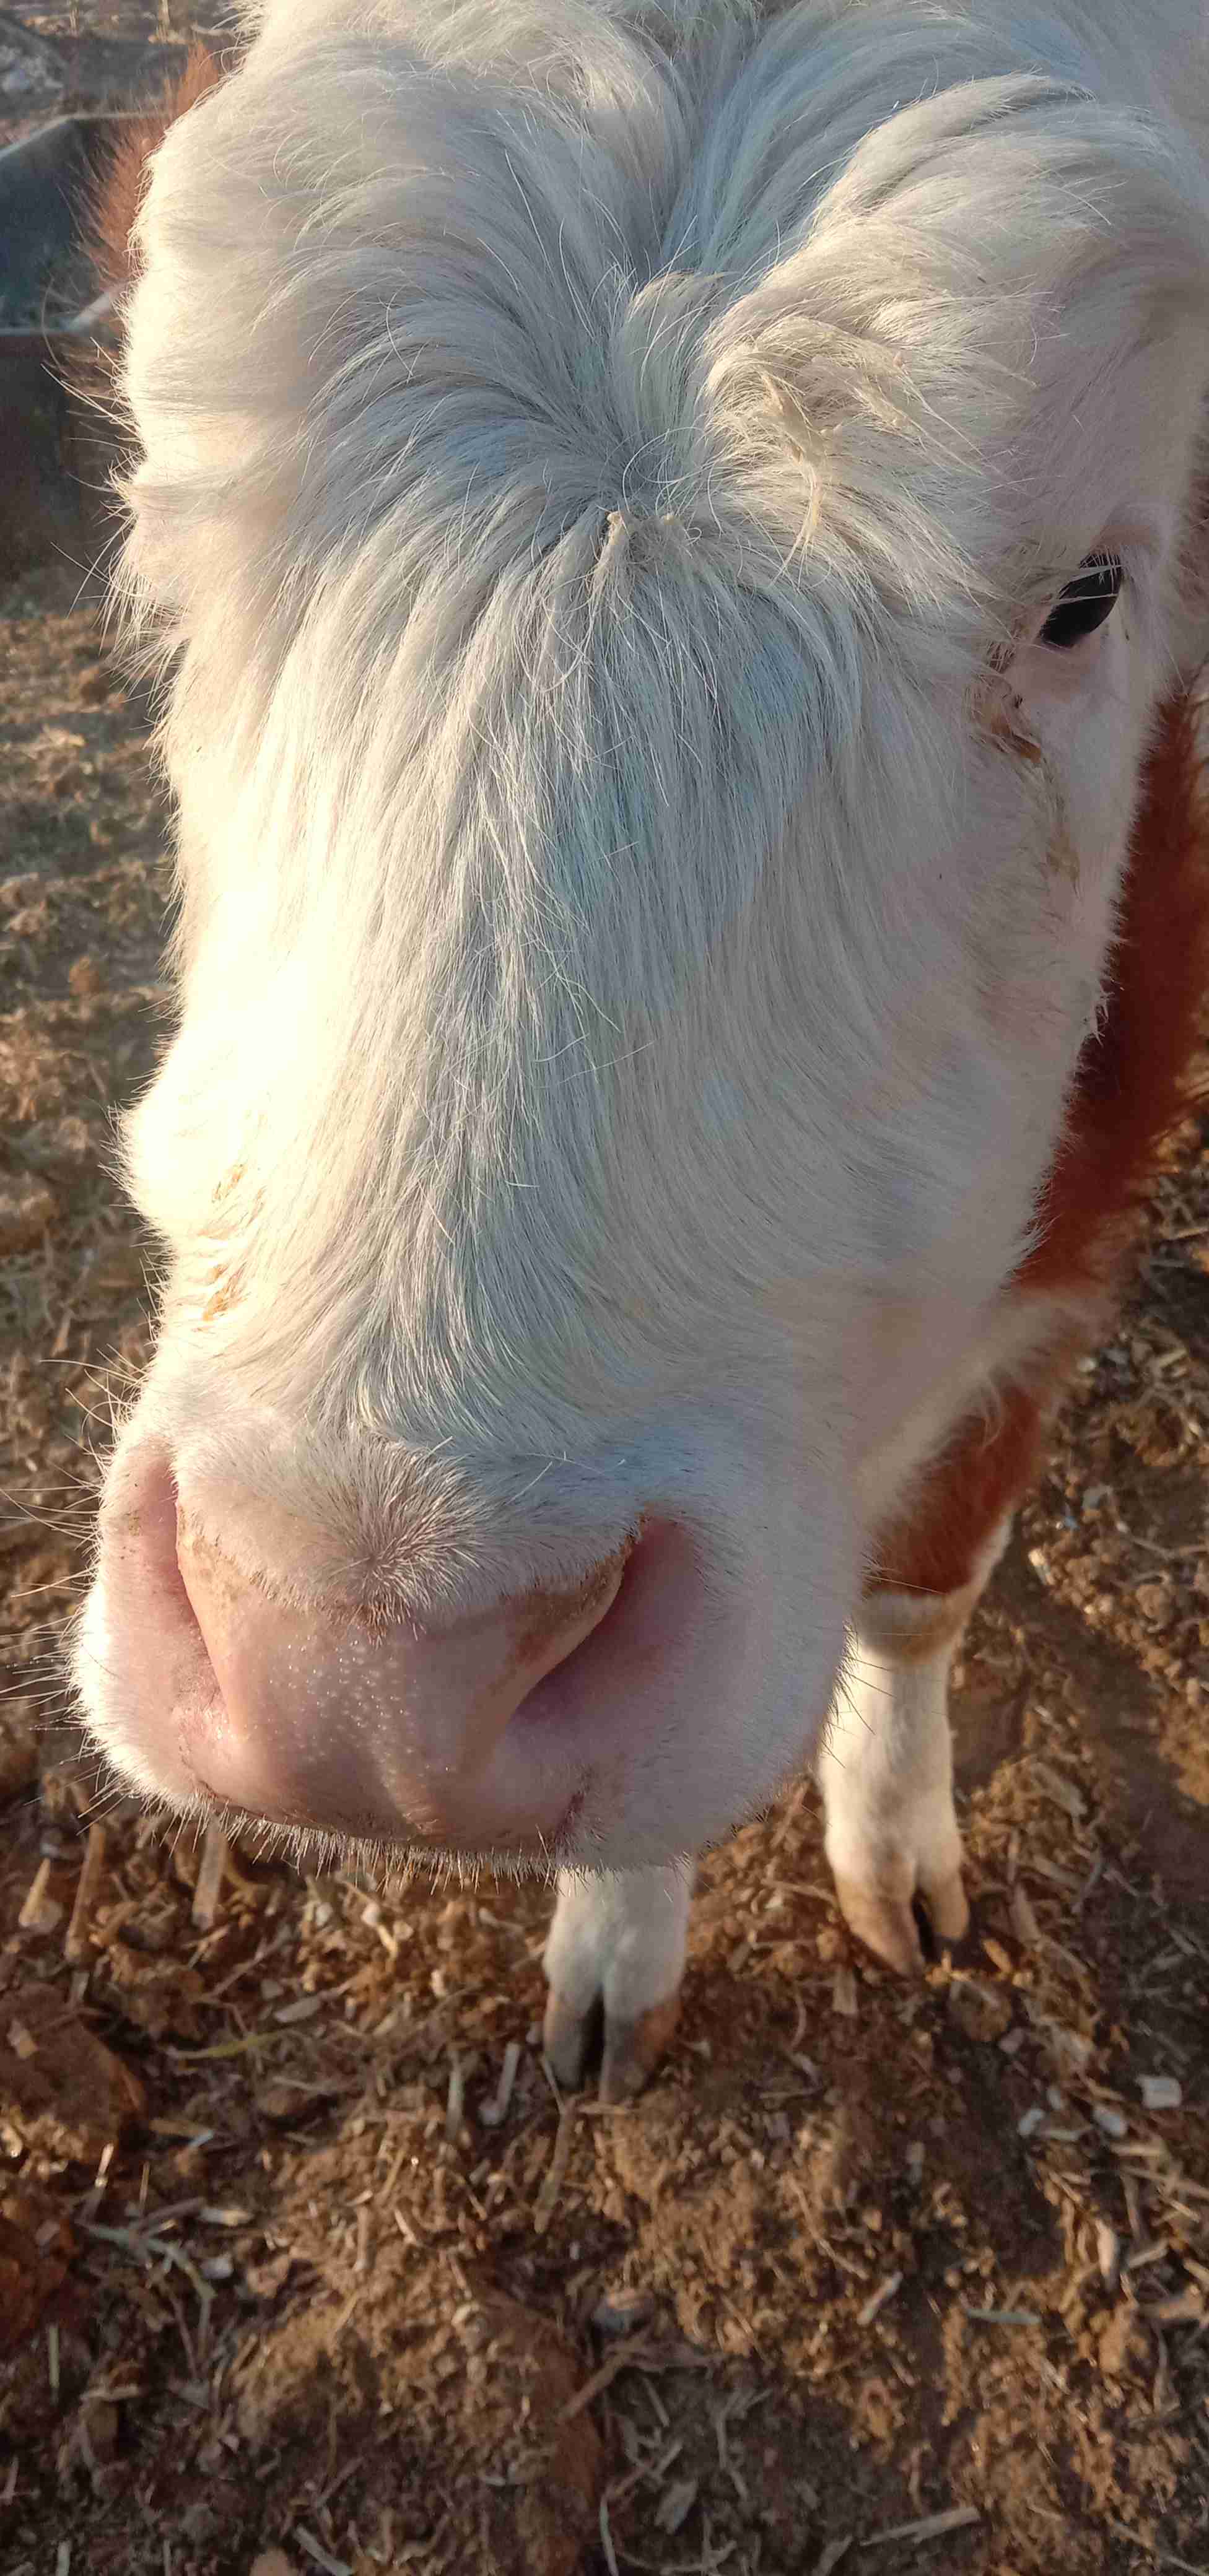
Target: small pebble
point(1113, 2122)
point(1161, 2092)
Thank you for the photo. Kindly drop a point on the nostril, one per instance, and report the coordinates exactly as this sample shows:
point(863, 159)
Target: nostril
point(140, 1526)
point(651, 1599)
point(552, 1626)
point(590, 1630)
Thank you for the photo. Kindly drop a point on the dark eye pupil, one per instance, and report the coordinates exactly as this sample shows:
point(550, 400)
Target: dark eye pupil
point(1085, 602)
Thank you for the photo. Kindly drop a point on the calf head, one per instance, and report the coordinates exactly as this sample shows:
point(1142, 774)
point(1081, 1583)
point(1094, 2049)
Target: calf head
point(661, 555)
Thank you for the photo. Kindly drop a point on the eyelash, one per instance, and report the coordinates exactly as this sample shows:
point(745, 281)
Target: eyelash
point(1085, 603)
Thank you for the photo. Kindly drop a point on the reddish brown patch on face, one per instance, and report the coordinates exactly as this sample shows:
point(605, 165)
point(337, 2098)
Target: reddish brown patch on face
point(1129, 1089)
point(1128, 1093)
point(1000, 723)
point(222, 1297)
point(963, 1497)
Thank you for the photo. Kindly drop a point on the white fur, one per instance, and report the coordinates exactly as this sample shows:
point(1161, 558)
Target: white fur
point(886, 1761)
point(619, 1939)
point(600, 474)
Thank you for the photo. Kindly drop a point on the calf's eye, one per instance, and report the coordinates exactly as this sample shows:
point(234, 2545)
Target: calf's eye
point(1085, 602)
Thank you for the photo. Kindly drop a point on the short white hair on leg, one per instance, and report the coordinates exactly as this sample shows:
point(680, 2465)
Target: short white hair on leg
point(885, 1765)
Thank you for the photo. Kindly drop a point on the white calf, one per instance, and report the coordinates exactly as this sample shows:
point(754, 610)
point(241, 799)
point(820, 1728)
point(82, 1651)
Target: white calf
point(664, 537)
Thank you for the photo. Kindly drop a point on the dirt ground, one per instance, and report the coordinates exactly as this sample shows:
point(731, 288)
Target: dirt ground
point(302, 2263)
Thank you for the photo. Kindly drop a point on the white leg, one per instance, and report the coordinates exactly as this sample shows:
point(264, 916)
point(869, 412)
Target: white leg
point(886, 1769)
point(618, 1940)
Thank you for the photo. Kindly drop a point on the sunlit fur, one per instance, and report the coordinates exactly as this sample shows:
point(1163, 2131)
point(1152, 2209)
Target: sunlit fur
point(595, 468)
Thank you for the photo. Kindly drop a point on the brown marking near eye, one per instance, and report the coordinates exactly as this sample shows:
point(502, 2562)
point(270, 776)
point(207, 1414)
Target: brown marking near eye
point(1062, 857)
point(223, 1295)
point(1000, 723)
